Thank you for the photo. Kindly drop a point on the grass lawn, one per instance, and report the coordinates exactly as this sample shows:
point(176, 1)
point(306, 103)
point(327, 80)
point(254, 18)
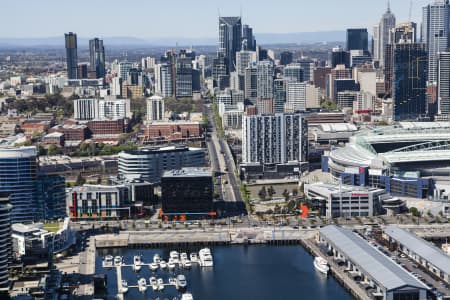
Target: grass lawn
point(51, 227)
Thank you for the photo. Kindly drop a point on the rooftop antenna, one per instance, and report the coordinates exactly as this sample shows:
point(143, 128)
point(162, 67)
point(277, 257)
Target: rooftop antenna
point(240, 11)
point(410, 10)
point(389, 6)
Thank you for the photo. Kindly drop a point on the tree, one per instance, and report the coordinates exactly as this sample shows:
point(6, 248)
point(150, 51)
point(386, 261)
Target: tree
point(54, 150)
point(294, 192)
point(80, 180)
point(262, 193)
point(271, 191)
point(414, 211)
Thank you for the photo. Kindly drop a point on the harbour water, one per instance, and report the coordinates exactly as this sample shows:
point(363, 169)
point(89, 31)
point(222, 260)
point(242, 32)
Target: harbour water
point(239, 272)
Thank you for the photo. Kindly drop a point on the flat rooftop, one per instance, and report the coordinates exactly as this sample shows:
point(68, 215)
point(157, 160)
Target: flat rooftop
point(188, 172)
point(384, 271)
point(421, 247)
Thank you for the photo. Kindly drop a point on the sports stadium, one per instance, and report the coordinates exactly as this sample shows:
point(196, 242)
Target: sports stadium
point(405, 159)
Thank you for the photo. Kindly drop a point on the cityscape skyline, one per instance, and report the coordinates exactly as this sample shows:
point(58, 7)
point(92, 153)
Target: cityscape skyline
point(296, 19)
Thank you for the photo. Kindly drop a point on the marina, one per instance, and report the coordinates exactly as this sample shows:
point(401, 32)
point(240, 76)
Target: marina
point(290, 268)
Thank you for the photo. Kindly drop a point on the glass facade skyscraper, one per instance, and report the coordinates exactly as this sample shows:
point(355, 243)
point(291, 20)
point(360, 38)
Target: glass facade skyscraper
point(71, 55)
point(410, 75)
point(357, 39)
point(18, 175)
point(230, 39)
point(97, 57)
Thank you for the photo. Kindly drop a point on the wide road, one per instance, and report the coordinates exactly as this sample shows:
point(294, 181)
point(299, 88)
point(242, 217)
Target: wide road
point(222, 161)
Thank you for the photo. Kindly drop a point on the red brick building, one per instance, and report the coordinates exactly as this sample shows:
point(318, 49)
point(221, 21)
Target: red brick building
point(107, 130)
point(173, 130)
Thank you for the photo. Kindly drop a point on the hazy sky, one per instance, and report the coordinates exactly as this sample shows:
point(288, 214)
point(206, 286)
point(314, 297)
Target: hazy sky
point(190, 18)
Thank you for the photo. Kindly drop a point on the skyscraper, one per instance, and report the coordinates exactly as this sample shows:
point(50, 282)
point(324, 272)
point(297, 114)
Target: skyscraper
point(265, 74)
point(294, 72)
point(387, 23)
point(18, 174)
point(357, 39)
point(97, 57)
point(409, 88)
point(251, 83)
point(183, 75)
point(163, 80)
point(248, 39)
point(443, 84)
point(155, 108)
point(435, 33)
point(5, 241)
point(230, 39)
point(71, 55)
point(243, 59)
point(340, 57)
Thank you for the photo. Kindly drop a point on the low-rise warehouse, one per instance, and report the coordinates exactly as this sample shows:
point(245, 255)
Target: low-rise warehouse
point(385, 280)
point(423, 252)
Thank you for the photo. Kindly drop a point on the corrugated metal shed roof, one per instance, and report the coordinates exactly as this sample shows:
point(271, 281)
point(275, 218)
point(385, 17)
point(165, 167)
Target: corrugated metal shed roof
point(379, 267)
point(421, 247)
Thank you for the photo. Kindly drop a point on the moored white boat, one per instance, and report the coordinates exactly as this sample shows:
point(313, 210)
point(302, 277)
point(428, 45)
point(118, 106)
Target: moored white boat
point(163, 264)
point(118, 261)
point(174, 256)
point(160, 284)
point(124, 287)
point(187, 296)
point(194, 257)
point(153, 267)
point(156, 258)
point(108, 261)
point(153, 283)
point(206, 259)
point(321, 265)
point(137, 263)
point(181, 283)
point(187, 264)
point(142, 285)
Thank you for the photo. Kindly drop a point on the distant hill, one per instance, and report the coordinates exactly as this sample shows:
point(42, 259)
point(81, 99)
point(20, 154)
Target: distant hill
point(261, 38)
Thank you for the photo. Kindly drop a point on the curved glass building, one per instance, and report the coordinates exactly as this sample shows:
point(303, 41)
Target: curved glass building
point(18, 174)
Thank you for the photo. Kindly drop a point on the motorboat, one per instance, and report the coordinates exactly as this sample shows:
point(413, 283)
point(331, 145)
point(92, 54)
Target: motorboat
point(142, 285)
point(174, 256)
point(187, 296)
point(173, 281)
point(160, 284)
point(181, 282)
point(194, 257)
point(118, 261)
point(183, 256)
point(153, 283)
point(187, 264)
point(163, 264)
point(137, 262)
point(124, 287)
point(206, 259)
point(108, 261)
point(153, 267)
point(156, 258)
point(321, 265)
point(171, 264)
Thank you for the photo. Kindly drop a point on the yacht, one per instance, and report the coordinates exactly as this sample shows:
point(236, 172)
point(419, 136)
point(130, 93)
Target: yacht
point(175, 256)
point(154, 283)
point(181, 282)
point(163, 264)
point(194, 257)
point(160, 284)
point(187, 264)
point(153, 267)
point(173, 281)
point(142, 285)
point(117, 261)
point(124, 287)
point(156, 258)
point(137, 262)
point(183, 256)
point(171, 264)
point(206, 259)
point(321, 265)
point(187, 296)
point(108, 261)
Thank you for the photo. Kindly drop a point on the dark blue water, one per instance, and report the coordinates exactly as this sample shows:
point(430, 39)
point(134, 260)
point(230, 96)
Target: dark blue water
point(239, 272)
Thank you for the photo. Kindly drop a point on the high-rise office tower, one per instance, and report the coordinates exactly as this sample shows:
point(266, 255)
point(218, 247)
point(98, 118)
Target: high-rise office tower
point(18, 173)
point(296, 96)
point(230, 39)
point(251, 83)
point(402, 33)
point(376, 42)
point(443, 84)
point(274, 139)
point(286, 58)
point(97, 57)
point(409, 82)
point(183, 75)
point(163, 80)
point(71, 55)
point(307, 65)
point(248, 39)
point(5, 240)
point(85, 109)
point(155, 108)
point(435, 33)
point(387, 23)
point(279, 97)
point(220, 68)
point(357, 39)
point(243, 59)
point(340, 57)
point(265, 73)
point(294, 72)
